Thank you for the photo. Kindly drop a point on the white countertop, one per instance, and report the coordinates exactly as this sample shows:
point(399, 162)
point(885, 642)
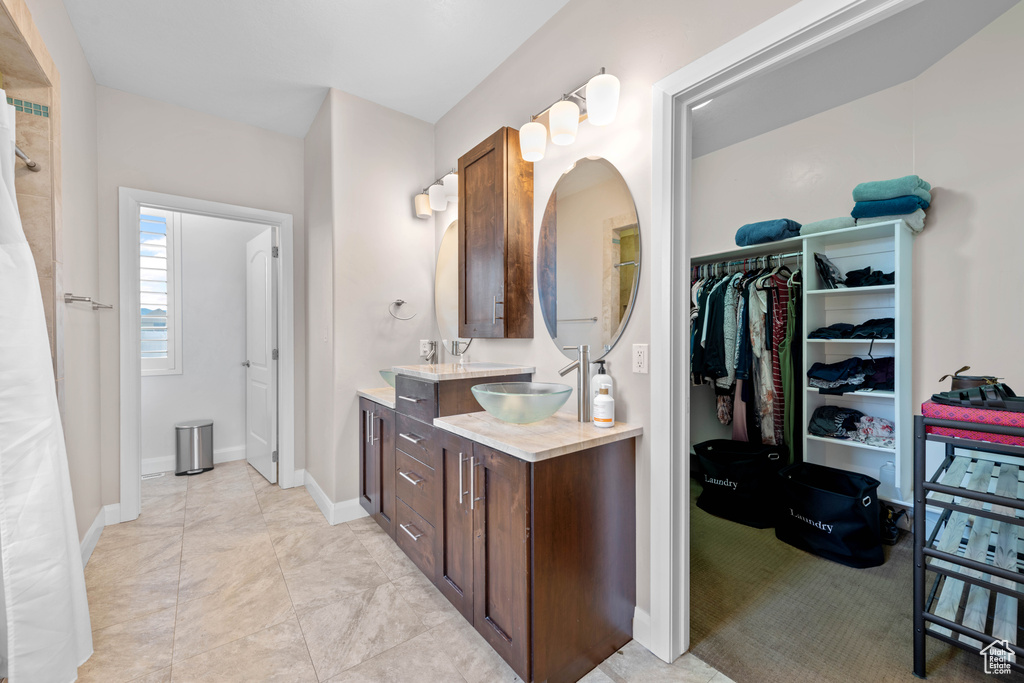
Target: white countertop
point(384, 396)
point(557, 435)
point(442, 371)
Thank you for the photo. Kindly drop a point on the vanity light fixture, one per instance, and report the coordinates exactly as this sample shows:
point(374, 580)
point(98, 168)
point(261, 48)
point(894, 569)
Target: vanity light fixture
point(436, 196)
point(597, 99)
point(422, 201)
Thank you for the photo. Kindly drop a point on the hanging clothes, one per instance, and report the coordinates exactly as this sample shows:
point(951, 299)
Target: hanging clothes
point(46, 635)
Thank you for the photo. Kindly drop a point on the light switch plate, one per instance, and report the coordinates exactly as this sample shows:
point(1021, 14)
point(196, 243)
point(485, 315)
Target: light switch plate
point(640, 356)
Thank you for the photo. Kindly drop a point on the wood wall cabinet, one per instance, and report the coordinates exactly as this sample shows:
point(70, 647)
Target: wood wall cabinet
point(377, 463)
point(496, 240)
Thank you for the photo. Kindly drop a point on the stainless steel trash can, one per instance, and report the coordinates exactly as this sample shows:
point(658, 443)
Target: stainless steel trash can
point(195, 447)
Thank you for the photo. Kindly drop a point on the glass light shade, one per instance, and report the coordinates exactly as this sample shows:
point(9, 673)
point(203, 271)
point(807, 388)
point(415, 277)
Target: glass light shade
point(451, 187)
point(533, 140)
point(423, 206)
point(564, 119)
point(602, 99)
point(438, 198)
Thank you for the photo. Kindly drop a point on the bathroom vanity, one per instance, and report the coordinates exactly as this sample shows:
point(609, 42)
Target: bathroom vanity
point(529, 530)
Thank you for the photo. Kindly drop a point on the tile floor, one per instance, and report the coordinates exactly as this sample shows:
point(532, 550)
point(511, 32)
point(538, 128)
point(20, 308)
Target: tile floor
point(225, 577)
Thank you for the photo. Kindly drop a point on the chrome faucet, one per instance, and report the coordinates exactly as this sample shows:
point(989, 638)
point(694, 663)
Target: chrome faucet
point(582, 366)
point(431, 356)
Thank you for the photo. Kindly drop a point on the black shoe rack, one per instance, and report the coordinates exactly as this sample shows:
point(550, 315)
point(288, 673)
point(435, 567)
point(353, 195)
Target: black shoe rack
point(969, 572)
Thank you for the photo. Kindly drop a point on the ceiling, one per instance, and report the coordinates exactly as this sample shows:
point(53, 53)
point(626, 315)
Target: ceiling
point(269, 62)
point(883, 55)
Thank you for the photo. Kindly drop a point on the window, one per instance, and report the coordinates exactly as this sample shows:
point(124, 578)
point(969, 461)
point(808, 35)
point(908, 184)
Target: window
point(160, 291)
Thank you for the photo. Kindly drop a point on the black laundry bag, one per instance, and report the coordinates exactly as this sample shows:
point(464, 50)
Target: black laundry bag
point(740, 480)
point(831, 513)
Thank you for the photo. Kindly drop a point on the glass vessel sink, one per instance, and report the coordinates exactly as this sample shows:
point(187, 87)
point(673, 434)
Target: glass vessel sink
point(388, 376)
point(521, 402)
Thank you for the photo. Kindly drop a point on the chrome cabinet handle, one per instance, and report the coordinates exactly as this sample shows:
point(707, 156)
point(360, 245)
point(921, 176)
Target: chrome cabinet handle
point(366, 428)
point(415, 482)
point(411, 400)
point(405, 528)
point(472, 482)
point(461, 462)
point(412, 438)
point(494, 311)
point(373, 427)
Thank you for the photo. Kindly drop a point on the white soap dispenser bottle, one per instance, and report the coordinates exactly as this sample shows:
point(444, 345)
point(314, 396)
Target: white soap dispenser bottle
point(603, 414)
point(602, 379)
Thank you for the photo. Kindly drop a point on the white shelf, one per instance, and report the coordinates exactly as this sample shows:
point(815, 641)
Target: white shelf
point(851, 443)
point(847, 291)
point(875, 394)
point(851, 341)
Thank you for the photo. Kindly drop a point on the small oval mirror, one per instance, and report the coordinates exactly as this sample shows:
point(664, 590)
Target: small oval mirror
point(446, 284)
point(588, 257)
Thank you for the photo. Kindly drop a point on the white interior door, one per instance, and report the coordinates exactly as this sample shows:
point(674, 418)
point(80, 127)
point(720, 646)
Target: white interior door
point(260, 352)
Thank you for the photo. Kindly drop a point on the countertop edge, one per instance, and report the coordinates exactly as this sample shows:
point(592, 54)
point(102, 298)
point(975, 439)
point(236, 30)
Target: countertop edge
point(528, 456)
point(379, 395)
point(474, 374)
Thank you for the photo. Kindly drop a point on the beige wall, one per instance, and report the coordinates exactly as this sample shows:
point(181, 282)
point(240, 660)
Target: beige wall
point(150, 145)
point(319, 208)
point(640, 43)
point(957, 126)
point(82, 325)
point(382, 252)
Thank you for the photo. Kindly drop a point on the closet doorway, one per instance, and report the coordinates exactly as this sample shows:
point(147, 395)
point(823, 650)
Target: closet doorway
point(791, 41)
point(262, 242)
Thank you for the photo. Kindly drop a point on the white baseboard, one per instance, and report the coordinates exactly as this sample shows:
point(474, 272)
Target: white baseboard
point(336, 513)
point(166, 463)
point(92, 536)
point(298, 478)
point(108, 514)
point(112, 514)
point(642, 627)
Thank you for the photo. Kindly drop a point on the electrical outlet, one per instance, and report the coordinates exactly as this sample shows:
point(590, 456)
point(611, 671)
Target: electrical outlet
point(424, 347)
point(640, 355)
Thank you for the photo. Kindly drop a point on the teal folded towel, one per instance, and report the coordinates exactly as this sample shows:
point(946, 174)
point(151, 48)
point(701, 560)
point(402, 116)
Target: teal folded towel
point(914, 220)
point(890, 189)
point(767, 231)
point(837, 223)
point(889, 207)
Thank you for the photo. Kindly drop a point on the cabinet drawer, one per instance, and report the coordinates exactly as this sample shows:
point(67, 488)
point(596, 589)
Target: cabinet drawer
point(416, 483)
point(416, 397)
point(415, 536)
point(416, 439)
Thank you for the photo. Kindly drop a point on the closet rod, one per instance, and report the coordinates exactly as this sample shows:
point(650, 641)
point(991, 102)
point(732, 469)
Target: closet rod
point(753, 259)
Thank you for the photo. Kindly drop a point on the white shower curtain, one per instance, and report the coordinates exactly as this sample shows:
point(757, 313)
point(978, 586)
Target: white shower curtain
point(46, 635)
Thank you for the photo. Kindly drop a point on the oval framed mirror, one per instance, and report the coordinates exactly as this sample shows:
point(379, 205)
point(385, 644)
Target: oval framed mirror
point(446, 284)
point(588, 258)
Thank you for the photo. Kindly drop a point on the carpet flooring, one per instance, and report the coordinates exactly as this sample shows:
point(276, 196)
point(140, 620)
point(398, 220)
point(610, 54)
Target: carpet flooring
point(765, 612)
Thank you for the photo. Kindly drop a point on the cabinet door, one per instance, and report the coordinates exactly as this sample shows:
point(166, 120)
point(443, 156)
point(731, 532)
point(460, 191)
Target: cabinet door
point(369, 461)
point(499, 486)
point(455, 575)
point(482, 239)
point(385, 445)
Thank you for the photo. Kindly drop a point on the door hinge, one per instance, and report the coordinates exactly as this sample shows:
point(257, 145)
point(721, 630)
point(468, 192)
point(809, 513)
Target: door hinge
point(273, 355)
point(273, 457)
point(275, 252)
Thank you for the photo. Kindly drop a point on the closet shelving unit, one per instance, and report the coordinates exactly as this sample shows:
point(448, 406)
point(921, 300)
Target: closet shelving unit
point(974, 551)
point(885, 246)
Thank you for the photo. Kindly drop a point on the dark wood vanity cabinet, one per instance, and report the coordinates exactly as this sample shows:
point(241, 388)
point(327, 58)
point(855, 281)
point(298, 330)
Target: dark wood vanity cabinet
point(377, 463)
point(496, 240)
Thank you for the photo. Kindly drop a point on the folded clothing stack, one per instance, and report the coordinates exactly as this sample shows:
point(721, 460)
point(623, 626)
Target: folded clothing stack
point(767, 231)
point(866, 277)
point(828, 224)
point(836, 422)
point(903, 198)
point(853, 374)
point(876, 328)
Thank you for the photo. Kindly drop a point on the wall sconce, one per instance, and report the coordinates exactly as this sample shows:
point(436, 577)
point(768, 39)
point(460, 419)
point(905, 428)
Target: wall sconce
point(598, 99)
point(436, 196)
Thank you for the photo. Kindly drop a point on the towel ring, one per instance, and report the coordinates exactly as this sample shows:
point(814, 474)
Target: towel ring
point(391, 310)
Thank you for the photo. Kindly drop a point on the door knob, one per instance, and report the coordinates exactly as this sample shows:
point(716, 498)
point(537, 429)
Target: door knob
point(245, 364)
